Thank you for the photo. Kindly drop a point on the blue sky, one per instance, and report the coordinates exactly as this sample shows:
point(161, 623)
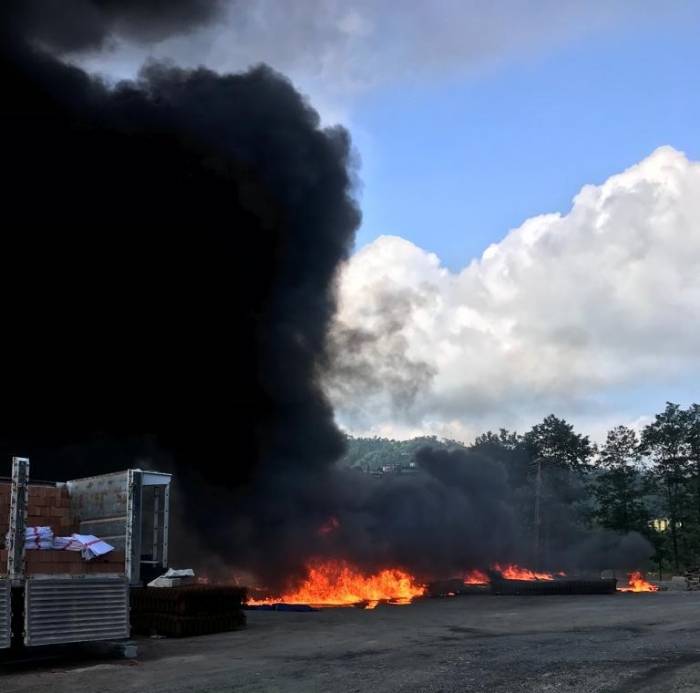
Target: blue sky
point(453, 165)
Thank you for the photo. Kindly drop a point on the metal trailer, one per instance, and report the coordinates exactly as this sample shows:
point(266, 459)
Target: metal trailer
point(130, 510)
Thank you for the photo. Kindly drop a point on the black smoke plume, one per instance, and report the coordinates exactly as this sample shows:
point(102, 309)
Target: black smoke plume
point(167, 278)
point(462, 510)
point(68, 26)
point(168, 260)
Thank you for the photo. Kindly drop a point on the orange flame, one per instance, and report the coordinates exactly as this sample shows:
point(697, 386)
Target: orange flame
point(637, 583)
point(511, 571)
point(337, 583)
point(476, 577)
point(516, 572)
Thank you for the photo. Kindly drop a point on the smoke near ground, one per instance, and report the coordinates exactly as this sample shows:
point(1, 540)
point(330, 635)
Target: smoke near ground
point(462, 510)
point(168, 286)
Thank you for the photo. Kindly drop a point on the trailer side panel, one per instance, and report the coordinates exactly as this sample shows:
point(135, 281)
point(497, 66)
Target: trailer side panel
point(75, 609)
point(5, 614)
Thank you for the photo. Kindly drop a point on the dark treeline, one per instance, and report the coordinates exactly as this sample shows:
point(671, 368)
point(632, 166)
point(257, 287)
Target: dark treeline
point(647, 483)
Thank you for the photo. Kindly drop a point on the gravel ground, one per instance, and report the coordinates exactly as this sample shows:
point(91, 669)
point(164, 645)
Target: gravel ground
point(639, 643)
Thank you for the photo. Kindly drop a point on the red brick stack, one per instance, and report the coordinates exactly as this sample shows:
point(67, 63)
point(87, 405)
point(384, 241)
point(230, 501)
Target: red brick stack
point(72, 563)
point(49, 506)
point(4, 509)
point(67, 563)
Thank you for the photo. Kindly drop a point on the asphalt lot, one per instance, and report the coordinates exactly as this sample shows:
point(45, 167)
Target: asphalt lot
point(622, 643)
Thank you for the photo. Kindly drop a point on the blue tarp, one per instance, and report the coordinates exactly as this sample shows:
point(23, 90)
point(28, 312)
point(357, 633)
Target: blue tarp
point(280, 607)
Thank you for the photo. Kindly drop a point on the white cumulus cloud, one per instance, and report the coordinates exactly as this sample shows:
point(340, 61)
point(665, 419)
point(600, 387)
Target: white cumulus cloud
point(568, 313)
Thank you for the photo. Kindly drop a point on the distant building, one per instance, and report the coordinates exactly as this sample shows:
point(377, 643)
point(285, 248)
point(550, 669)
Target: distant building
point(662, 524)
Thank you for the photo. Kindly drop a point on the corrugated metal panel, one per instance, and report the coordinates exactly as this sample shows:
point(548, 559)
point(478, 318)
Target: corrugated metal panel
point(78, 609)
point(100, 504)
point(5, 615)
point(108, 506)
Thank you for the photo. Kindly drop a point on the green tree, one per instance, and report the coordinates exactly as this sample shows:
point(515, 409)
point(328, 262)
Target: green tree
point(692, 416)
point(619, 487)
point(504, 439)
point(371, 454)
point(557, 445)
point(665, 441)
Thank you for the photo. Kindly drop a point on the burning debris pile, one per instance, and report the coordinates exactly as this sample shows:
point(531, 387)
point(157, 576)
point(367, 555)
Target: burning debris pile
point(596, 585)
point(515, 572)
point(508, 572)
point(476, 577)
point(513, 579)
point(336, 583)
point(637, 583)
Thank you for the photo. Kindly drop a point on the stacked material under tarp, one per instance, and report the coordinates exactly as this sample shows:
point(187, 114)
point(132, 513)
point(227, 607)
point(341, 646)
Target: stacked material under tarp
point(43, 539)
point(89, 545)
point(186, 611)
point(38, 538)
point(692, 579)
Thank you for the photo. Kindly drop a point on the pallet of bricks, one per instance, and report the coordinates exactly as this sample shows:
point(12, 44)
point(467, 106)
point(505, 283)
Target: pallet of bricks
point(692, 579)
point(189, 610)
point(49, 506)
